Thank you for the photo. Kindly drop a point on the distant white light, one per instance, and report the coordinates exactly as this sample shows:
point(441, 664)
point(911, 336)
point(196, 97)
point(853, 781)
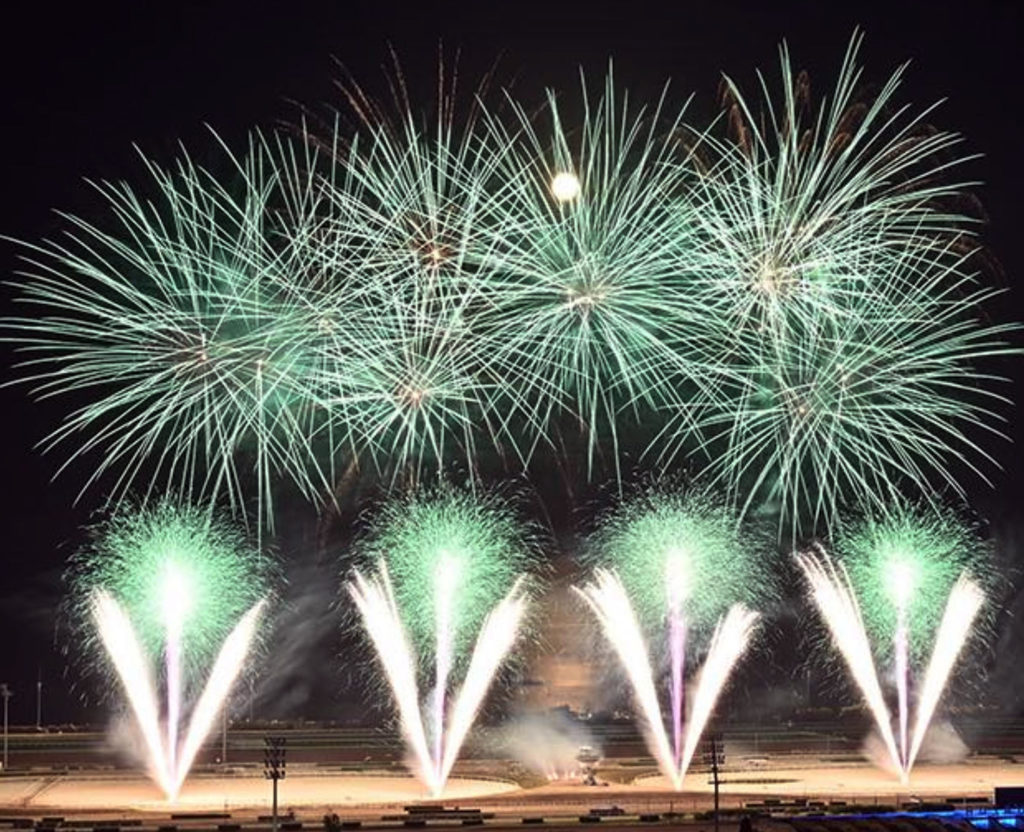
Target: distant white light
point(565, 187)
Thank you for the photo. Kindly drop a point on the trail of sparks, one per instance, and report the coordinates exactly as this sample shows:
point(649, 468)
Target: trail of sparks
point(118, 638)
point(677, 657)
point(497, 636)
point(728, 644)
point(902, 662)
point(965, 601)
point(837, 604)
point(609, 602)
point(225, 671)
point(446, 581)
point(375, 600)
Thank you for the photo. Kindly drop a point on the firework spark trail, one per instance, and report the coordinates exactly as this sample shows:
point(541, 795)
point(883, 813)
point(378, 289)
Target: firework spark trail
point(125, 653)
point(677, 575)
point(174, 606)
point(964, 604)
point(446, 581)
point(607, 597)
point(902, 661)
point(902, 581)
point(497, 635)
point(375, 600)
point(833, 595)
point(214, 696)
point(174, 683)
point(729, 643)
point(677, 653)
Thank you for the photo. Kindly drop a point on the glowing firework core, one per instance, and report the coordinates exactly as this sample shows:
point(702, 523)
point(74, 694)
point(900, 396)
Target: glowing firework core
point(676, 579)
point(902, 579)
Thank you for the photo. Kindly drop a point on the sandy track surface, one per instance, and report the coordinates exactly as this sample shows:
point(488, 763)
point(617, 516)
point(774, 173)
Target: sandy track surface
point(71, 793)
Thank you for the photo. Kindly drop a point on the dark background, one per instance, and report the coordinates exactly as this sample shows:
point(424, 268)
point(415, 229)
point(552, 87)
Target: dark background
point(82, 83)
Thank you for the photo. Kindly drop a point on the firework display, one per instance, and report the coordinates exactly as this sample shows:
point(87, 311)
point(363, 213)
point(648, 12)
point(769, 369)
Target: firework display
point(787, 303)
point(786, 300)
point(908, 589)
point(673, 564)
point(455, 602)
point(171, 583)
point(405, 251)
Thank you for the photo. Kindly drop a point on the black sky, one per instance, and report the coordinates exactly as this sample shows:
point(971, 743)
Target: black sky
point(83, 82)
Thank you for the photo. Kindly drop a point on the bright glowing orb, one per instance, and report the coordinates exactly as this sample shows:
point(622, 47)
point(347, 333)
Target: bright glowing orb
point(901, 582)
point(677, 574)
point(175, 596)
point(565, 187)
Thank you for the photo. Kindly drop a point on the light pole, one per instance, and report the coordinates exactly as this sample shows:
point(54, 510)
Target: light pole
point(274, 767)
point(6, 693)
point(714, 755)
point(39, 699)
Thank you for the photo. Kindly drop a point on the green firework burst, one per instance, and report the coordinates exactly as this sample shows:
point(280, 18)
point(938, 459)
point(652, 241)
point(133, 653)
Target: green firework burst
point(169, 553)
point(845, 299)
point(467, 549)
point(847, 409)
point(189, 322)
point(793, 303)
point(588, 308)
point(669, 542)
point(910, 556)
point(409, 203)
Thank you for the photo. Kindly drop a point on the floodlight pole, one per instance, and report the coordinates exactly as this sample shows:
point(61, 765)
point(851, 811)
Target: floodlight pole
point(714, 773)
point(224, 735)
point(715, 755)
point(274, 768)
point(39, 700)
point(6, 693)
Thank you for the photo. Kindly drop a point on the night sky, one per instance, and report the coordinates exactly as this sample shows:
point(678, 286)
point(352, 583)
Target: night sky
point(82, 85)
